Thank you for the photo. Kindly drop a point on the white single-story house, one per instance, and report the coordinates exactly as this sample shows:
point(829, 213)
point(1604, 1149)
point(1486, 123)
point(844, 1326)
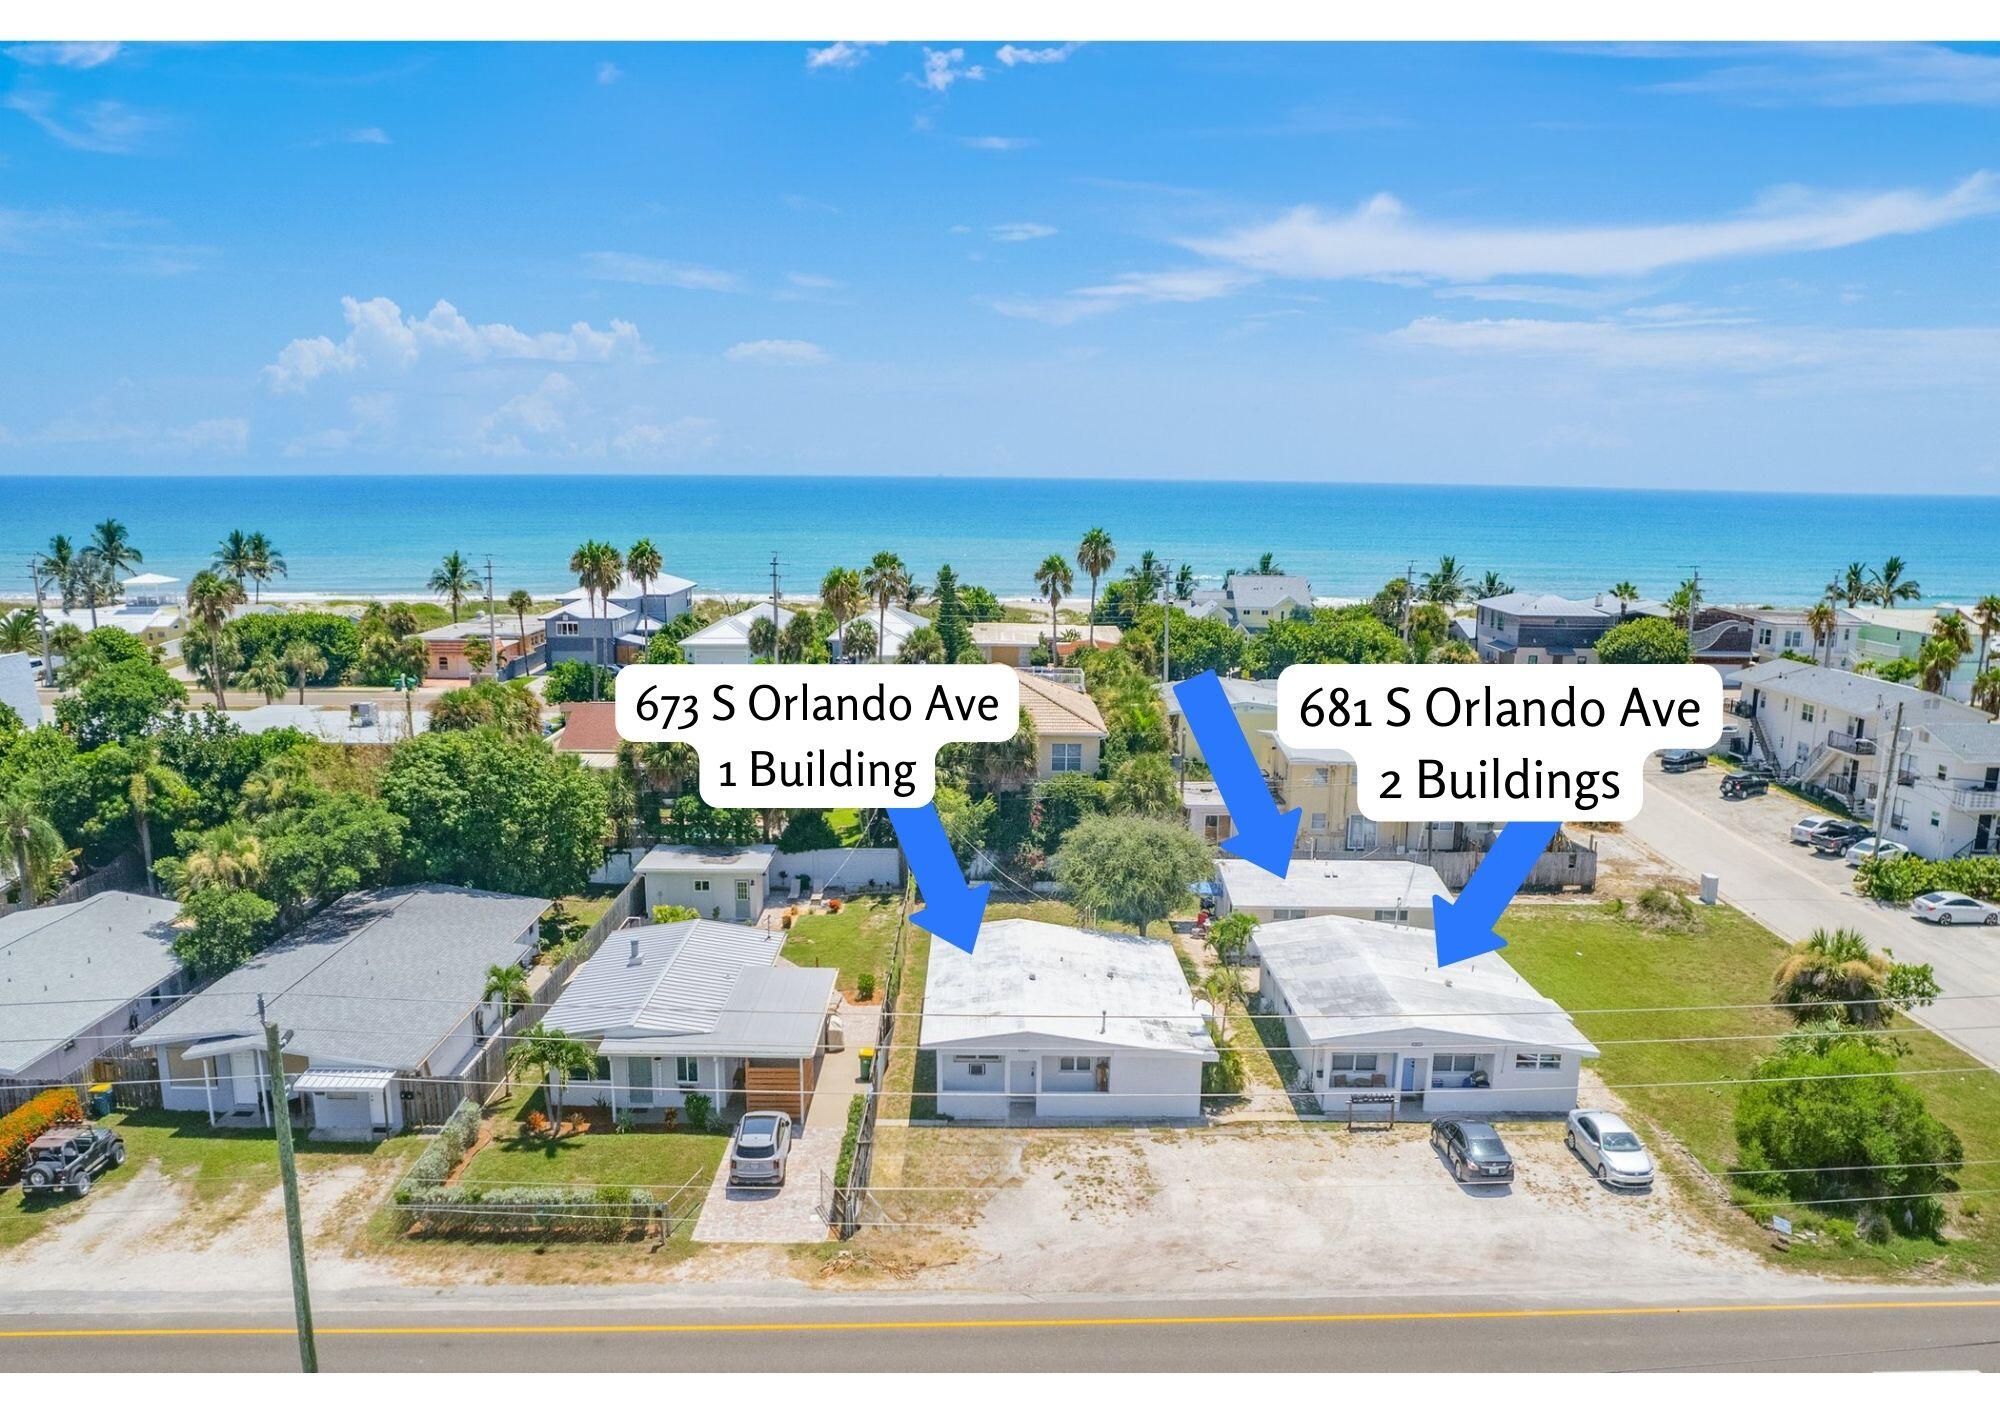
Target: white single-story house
point(377, 993)
point(1367, 1010)
point(1050, 1022)
point(726, 882)
point(679, 1009)
point(1380, 890)
point(357, 724)
point(728, 640)
point(78, 979)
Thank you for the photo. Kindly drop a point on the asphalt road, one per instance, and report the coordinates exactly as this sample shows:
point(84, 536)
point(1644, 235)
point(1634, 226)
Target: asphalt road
point(1945, 1333)
point(1792, 891)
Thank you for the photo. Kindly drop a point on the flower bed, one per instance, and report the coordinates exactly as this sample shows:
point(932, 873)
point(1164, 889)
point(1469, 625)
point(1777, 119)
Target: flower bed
point(27, 1123)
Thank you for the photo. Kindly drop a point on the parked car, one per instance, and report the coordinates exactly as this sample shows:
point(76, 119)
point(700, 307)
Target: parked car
point(760, 1147)
point(1954, 908)
point(1683, 760)
point(1836, 836)
point(68, 1160)
point(1868, 847)
point(1473, 1150)
point(1739, 785)
point(1804, 830)
point(1607, 1144)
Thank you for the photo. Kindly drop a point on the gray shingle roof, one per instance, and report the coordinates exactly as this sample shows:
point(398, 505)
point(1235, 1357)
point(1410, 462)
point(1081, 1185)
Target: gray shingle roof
point(1856, 693)
point(1264, 591)
point(672, 979)
point(380, 978)
point(1969, 741)
point(73, 964)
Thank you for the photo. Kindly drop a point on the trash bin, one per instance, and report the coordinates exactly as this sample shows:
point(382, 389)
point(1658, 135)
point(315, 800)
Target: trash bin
point(100, 1100)
point(867, 1054)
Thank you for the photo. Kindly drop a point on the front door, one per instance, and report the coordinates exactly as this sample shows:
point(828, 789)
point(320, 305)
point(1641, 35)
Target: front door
point(245, 1091)
point(1021, 1080)
point(742, 900)
point(639, 1074)
point(1410, 1086)
point(1982, 835)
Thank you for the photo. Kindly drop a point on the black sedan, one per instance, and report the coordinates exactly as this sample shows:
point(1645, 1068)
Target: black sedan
point(1473, 1150)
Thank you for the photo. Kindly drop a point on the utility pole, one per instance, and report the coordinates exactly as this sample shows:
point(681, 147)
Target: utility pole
point(407, 684)
point(42, 621)
point(1882, 811)
point(281, 1120)
point(492, 632)
point(1167, 635)
point(1694, 597)
point(774, 609)
point(1409, 594)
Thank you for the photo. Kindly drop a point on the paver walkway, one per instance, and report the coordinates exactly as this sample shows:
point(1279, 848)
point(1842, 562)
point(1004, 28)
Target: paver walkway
point(791, 1213)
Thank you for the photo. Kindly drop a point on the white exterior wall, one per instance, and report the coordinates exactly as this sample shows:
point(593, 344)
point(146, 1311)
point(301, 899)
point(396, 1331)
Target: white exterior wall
point(680, 888)
point(1093, 748)
point(1940, 811)
point(1420, 915)
point(713, 1074)
point(1142, 1085)
point(735, 654)
point(843, 868)
point(66, 1061)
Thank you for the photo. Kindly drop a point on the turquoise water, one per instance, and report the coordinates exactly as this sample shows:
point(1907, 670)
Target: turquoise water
point(386, 533)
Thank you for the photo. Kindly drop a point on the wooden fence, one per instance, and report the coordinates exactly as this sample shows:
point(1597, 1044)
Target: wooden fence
point(126, 872)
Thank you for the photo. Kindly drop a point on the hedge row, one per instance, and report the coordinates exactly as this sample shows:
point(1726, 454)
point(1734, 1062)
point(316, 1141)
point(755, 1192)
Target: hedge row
point(1900, 880)
point(27, 1123)
point(443, 1154)
point(849, 1141)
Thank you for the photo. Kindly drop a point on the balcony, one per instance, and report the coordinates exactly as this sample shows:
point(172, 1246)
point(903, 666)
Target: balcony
point(1976, 798)
point(1906, 775)
point(1850, 743)
point(1742, 708)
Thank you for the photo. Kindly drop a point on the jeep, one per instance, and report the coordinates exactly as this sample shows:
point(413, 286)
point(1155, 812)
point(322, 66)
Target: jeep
point(69, 1158)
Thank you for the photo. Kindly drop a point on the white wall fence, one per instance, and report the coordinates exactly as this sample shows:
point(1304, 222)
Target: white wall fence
point(848, 870)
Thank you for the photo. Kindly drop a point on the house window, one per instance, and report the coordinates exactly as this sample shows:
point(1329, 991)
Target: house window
point(1358, 1062)
point(743, 891)
point(1319, 822)
point(1392, 915)
point(687, 1071)
point(1321, 775)
point(1071, 1065)
point(1453, 1072)
point(1285, 915)
point(1805, 712)
point(1538, 1060)
point(1360, 832)
point(1065, 756)
point(568, 628)
point(701, 886)
point(443, 662)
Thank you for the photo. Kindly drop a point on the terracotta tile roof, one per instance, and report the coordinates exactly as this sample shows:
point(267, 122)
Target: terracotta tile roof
point(589, 726)
point(1057, 710)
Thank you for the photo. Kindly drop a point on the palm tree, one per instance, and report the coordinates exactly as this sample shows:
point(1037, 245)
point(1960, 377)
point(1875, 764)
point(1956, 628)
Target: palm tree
point(234, 557)
point(860, 640)
point(1053, 579)
point(1887, 586)
point(148, 782)
point(1150, 575)
point(114, 547)
point(508, 986)
point(265, 677)
point(1267, 563)
point(19, 631)
point(763, 637)
point(1851, 585)
point(94, 580)
point(1624, 591)
point(230, 856)
point(265, 561)
point(1820, 620)
point(303, 661)
point(210, 598)
point(842, 596)
point(1833, 975)
point(36, 846)
point(1095, 554)
point(1986, 692)
point(642, 562)
point(1446, 584)
point(885, 578)
point(1492, 587)
point(58, 570)
point(520, 601)
point(1184, 581)
point(454, 579)
point(1986, 614)
point(550, 1054)
point(1937, 660)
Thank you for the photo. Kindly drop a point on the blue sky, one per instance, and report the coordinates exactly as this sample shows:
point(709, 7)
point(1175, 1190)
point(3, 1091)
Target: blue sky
point(1703, 266)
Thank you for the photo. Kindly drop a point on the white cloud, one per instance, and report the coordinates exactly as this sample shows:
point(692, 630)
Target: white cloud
point(841, 54)
point(212, 436)
point(382, 340)
point(647, 270)
point(1852, 75)
point(683, 437)
point(609, 73)
point(1564, 296)
point(1011, 231)
point(1012, 54)
point(103, 126)
point(1151, 287)
point(776, 353)
point(805, 281)
point(366, 137)
point(945, 67)
point(1381, 239)
point(82, 54)
point(996, 144)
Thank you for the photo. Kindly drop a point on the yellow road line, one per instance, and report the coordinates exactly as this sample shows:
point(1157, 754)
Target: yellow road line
point(1005, 1322)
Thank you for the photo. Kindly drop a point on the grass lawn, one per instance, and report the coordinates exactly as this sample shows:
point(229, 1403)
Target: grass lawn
point(847, 824)
point(1590, 957)
point(855, 940)
point(640, 1159)
point(222, 1171)
point(587, 907)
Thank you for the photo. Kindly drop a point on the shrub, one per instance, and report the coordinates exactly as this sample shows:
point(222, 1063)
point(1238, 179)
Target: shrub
point(700, 1111)
point(1900, 880)
point(674, 913)
point(849, 1141)
point(1662, 908)
point(443, 1154)
point(27, 1123)
point(864, 986)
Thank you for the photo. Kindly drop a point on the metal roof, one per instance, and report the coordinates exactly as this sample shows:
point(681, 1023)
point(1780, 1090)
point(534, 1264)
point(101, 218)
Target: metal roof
point(672, 979)
point(58, 963)
point(380, 978)
point(775, 1011)
point(328, 1080)
point(1348, 979)
point(1331, 883)
point(1032, 979)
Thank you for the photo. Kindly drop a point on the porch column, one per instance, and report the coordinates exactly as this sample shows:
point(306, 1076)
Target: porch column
point(802, 1092)
point(208, 1088)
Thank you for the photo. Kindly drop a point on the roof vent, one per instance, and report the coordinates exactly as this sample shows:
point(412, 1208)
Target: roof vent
point(635, 950)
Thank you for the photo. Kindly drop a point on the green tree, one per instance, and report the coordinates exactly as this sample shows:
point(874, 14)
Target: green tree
point(1446, 584)
point(1887, 585)
point(304, 662)
point(1229, 937)
point(575, 681)
point(120, 703)
point(1061, 804)
point(808, 830)
point(859, 640)
point(1137, 871)
point(1052, 577)
point(454, 581)
point(210, 601)
point(1146, 785)
point(643, 563)
point(1624, 591)
point(509, 707)
point(1199, 645)
point(1836, 975)
point(552, 1055)
point(965, 821)
point(924, 645)
point(1836, 1127)
point(37, 847)
point(507, 984)
point(265, 562)
point(20, 631)
point(147, 784)
point(674, 913)
point(265, 676)
point(1352, 635)
point(1095, 554)
point(841, 595)
point(885, 580)
point(1820, 622)
point(1646, 640)
point(1851, 586)
point(951, 630)
point(519, 601)
point(222, 929)
point(339, 843)
point(234, 558)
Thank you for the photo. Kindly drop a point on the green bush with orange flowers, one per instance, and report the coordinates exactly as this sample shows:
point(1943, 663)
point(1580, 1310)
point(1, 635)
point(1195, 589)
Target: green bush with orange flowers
point(25, 1125)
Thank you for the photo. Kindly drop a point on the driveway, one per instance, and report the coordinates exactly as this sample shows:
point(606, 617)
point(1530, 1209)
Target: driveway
point(1792, 891)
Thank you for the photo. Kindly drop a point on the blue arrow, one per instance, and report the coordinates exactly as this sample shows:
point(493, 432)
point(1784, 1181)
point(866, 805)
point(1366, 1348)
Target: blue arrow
point(1263, 836)
point(1465, 929)
point(952, 909)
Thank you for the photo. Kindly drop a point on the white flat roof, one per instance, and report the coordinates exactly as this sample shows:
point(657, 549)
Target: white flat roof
point(1347, 979)
point(1331, 883)
point(702, 859)
point(1030, 979)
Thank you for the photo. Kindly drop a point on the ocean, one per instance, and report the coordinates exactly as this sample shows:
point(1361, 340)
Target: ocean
point(381, 534)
